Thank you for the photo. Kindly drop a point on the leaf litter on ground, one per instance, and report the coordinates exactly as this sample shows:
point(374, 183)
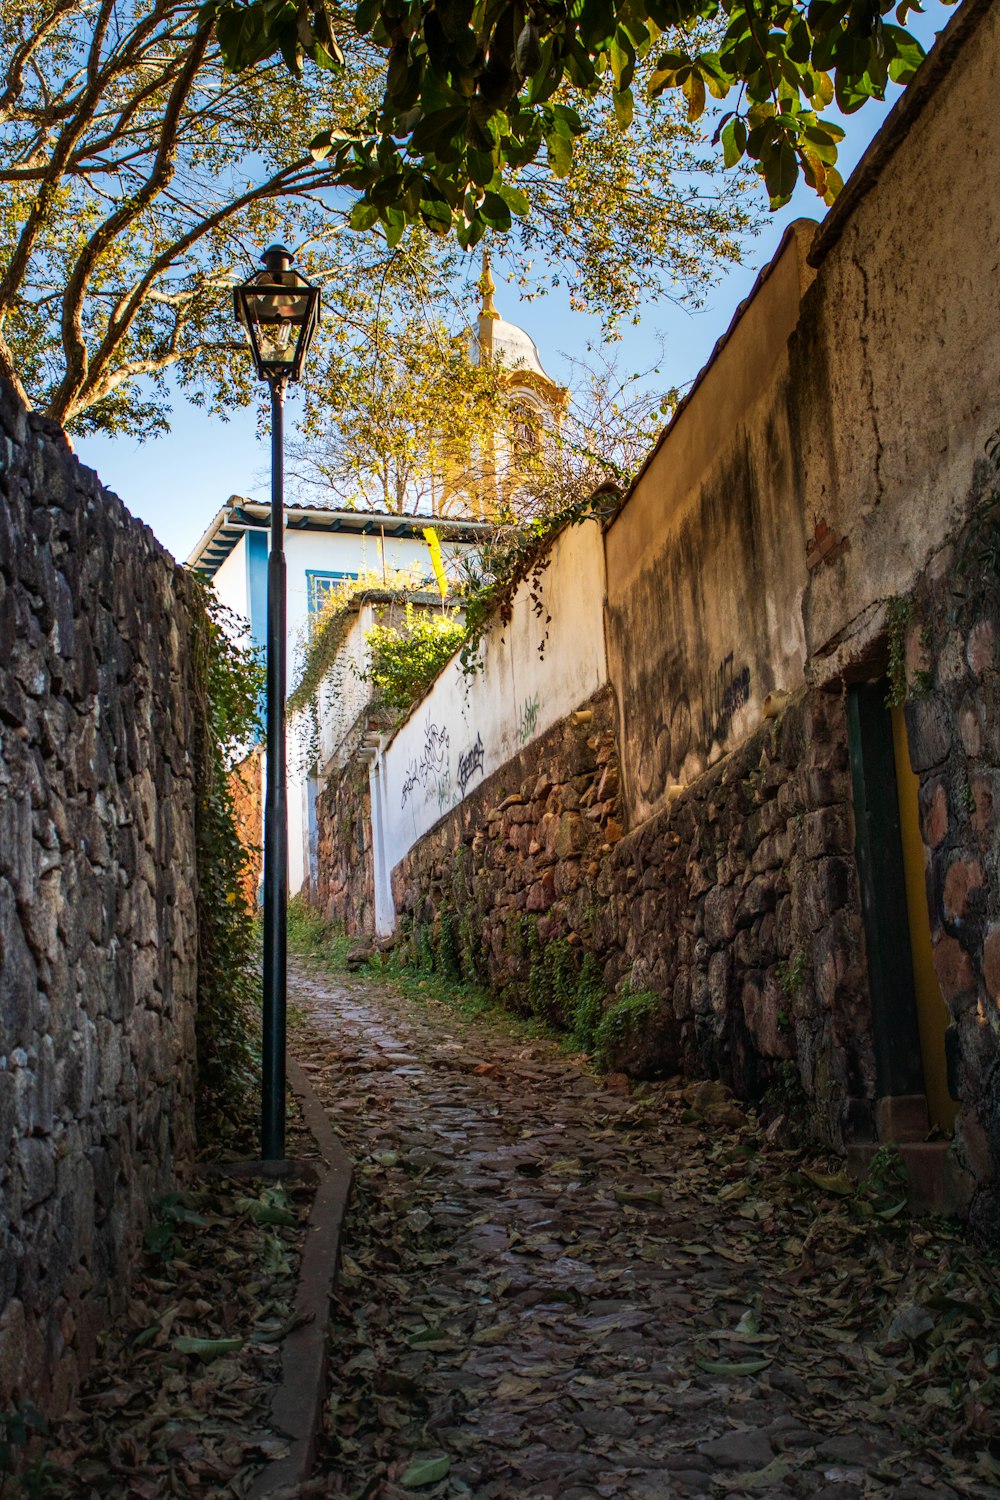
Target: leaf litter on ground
point(177, 1401)
point(597, 1322)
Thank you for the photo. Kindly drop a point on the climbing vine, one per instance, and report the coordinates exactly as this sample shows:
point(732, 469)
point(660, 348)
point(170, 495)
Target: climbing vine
point(520, 553)
point(978, 562)
point(229, 683)
point(322, 666)
point(403, 664)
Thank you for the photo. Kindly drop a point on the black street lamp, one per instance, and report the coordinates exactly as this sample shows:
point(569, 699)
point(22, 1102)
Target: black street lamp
point(279, 310)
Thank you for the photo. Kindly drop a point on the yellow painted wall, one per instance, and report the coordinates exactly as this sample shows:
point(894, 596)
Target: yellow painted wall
point(932, 1013)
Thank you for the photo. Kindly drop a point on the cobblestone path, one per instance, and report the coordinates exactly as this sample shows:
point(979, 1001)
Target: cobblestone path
point(554, 1289)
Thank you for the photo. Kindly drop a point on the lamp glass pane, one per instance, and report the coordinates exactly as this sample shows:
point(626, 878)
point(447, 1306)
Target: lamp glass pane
point(279, 310)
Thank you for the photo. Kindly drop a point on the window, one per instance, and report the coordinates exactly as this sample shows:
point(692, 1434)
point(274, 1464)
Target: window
point(319, 586)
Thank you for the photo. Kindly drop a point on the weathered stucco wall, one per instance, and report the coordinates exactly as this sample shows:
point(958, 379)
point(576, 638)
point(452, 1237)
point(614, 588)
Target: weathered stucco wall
point(533, 673)
point(705, 563)
point(894, 357)
point(98, 918)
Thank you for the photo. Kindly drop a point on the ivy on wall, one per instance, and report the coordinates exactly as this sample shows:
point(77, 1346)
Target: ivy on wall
point(229, 684)
point(520, 553)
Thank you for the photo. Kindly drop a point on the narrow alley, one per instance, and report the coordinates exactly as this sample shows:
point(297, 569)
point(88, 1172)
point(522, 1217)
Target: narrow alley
point(554, 1288)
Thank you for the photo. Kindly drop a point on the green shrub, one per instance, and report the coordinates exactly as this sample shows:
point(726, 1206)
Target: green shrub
point(588, 1004)
point(622, 1020)
point(404, 663)
point(447, 953)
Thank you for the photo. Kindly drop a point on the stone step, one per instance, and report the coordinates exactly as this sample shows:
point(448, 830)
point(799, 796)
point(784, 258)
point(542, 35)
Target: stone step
point(902, 1117)
point(936, 1181)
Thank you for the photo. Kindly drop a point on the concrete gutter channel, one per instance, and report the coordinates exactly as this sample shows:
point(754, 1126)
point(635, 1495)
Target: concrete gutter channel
point(297, 1404)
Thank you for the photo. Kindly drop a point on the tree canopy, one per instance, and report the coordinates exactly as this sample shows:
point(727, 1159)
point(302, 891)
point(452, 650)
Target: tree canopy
point(134, 174)
point(475, 91)
point(139, 178)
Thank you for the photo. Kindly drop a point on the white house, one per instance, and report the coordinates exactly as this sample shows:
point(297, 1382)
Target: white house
point(322, 548)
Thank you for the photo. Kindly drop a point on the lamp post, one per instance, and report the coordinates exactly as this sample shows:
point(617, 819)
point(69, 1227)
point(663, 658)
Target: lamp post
point(279, 310)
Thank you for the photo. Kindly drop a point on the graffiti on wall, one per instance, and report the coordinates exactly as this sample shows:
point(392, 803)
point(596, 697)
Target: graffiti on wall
point(430, 769)
point(674, 730)
point(469, 763)
point(663, 751)
point(528, 722)
point(727, 691)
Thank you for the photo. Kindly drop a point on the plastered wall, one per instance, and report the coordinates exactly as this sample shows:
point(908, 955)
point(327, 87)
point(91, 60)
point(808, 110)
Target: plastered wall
point(533, 673)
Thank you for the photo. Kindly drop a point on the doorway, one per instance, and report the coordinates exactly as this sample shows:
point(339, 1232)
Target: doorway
point(909, 1016)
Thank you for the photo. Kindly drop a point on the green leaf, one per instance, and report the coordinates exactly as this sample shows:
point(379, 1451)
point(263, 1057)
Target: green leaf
point(425, 1471)
point(734, 141)
point(325, 59)
point(834, 186)
point(363, 215)
point(395, 226)
point(515, 200)
point(481, 167)
point(364, 16)
point(739, 1367)
point(671, 69)
point(823, 95)
point(714, 74)
point(159, 1239)
point(624, 108)
point(528, 52)
point(621, 55)
point(560, 150)
point(206, 1348)
point(319, 146)
point(494, 212)
point(693, 89)
point(781, 169)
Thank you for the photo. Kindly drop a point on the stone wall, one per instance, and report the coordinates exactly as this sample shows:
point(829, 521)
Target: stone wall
point(344, 885)
point(953, 723)
point(517, 859)
point(736, 907)
point(98, 905)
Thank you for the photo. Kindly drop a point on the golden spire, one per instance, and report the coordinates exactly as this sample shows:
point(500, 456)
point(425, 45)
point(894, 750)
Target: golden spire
point(487, 286)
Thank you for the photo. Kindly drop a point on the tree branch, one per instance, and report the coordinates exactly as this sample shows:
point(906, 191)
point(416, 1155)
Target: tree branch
point(162, 170)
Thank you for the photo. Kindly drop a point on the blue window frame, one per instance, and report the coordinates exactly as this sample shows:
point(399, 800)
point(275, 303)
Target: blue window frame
point(319, 585)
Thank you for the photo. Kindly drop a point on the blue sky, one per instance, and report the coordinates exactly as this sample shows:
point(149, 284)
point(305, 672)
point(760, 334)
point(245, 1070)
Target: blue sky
point(177, 482)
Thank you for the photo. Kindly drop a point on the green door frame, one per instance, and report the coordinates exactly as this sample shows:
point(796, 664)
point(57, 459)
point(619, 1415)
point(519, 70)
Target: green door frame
point(879, 854)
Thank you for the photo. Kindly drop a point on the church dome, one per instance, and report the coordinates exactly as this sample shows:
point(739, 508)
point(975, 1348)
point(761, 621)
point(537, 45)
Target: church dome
point(516, 350)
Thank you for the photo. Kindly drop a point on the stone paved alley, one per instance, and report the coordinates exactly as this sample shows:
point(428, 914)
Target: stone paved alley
point(552, 1288)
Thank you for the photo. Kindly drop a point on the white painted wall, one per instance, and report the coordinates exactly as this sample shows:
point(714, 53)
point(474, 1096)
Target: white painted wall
point(343, 695)
point(332, 552)
point(343, 552)
point(230, 581)
point(467, 727)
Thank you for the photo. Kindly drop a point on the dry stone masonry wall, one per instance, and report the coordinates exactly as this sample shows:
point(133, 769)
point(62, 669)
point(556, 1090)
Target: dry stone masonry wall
point(735, 911)
point(98, 910)
point(821, 515)
point(953, 726)
point(344, 886)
